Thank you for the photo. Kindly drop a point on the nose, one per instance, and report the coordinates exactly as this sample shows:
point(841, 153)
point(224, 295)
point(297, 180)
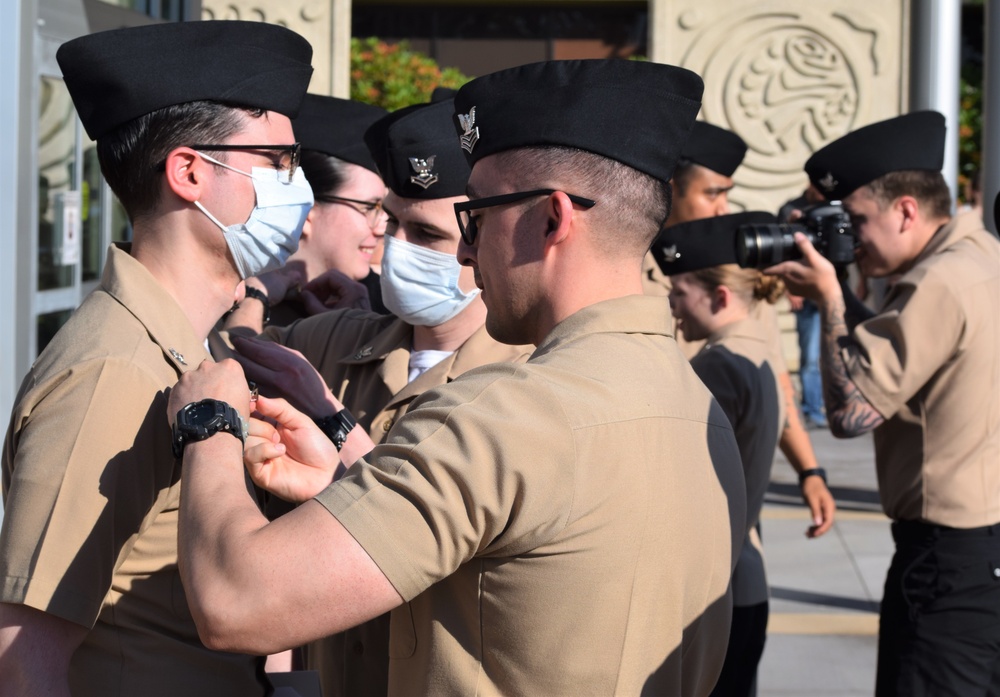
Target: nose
point(467, 253)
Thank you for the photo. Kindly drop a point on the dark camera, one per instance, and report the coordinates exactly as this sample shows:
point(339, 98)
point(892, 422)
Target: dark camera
point(827, 226)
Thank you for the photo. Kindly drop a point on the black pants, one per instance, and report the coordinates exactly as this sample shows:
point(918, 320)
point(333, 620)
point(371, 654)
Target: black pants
point(940, 621)
point(746, 645)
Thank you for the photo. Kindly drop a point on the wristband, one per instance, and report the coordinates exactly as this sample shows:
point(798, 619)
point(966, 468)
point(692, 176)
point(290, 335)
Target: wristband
point(258, 295)
point(337, 427)
point(814, 472)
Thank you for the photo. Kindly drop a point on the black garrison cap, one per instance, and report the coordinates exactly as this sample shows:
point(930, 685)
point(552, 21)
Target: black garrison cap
point(337, 127)
point(442, 93)
point(417, 152)
point(909, 142)
point(119, 75)
point(698, 244)
point(634, 112)
point(718, 149)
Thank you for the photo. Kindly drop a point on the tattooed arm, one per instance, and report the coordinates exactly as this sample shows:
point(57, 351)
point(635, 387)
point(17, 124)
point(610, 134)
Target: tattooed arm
point(814, 277)
point(847, 411)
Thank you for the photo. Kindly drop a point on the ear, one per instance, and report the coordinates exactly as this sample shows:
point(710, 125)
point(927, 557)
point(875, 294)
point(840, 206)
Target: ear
point(910, 209)
point(722, 296)
point(559, 218)
point(307, 226)
point(186, 173)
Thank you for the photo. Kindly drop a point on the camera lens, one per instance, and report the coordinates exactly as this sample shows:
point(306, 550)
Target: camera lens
point(761, 246)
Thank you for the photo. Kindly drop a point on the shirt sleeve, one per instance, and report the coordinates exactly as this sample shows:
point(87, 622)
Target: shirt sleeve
point(891, 356)
point(716, 368)
point(482, 466)
point(80, 481)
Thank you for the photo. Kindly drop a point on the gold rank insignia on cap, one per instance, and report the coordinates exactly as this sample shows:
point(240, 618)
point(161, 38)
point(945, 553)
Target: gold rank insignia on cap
point(471, 135)
point(422, 166)
point(828, 182)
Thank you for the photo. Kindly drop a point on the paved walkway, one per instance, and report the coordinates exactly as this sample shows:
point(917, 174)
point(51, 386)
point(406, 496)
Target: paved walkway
point(822, 632)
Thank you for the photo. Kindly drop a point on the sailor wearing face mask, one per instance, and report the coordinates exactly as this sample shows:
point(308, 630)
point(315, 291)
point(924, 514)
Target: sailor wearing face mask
point(376, 365)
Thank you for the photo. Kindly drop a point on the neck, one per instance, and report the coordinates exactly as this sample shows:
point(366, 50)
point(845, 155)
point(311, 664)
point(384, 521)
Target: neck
point(203, 284)
point(450, 335)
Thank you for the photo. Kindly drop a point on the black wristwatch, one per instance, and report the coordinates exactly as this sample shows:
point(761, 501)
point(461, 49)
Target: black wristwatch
point(258, 295)
point(201, 420)
point(337, 427)
point(814, 472)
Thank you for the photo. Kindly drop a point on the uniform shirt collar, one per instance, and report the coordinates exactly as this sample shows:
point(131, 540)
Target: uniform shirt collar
point(631, 314)
point(131, 284)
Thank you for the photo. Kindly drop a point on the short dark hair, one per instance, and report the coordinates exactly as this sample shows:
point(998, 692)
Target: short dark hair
point(132, 156)
point(683, 173)
point(325, 173)
point(631, 205)
point(928, 187)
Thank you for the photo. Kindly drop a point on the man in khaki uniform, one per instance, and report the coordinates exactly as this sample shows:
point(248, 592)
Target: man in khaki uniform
point(92, 602)
point(564, 526)
point(377, 365)
point(923, 374)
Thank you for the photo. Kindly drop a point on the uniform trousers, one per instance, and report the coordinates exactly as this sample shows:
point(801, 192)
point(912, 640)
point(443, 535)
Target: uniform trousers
point(743, 652)
point(940, 620)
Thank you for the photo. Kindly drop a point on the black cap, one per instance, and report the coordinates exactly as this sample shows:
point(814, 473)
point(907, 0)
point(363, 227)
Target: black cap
point(442, 93)
point(718, 149)
point(337, 127)
point(119, 75)
point(909, 142)
point(417, 152)
point(698, 244)
point(635, 112)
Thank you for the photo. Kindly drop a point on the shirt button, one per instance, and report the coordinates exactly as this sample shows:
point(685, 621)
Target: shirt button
point(386, 425)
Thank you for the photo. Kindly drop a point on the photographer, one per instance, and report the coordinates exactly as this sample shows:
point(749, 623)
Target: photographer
point(924, 375)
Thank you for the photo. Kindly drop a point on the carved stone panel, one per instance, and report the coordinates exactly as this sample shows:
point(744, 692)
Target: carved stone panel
point(310, 18)
point(787, 76)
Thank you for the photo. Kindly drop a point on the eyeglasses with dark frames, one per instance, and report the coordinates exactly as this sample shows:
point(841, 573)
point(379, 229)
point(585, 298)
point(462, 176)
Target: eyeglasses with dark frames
point(467, 221)
point(372, 210)
point(294, 152)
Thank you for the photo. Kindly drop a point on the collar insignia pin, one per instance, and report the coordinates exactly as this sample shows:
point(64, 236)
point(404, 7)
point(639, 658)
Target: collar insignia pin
point(363, 353)
point(422, 166)
point(178, 357)
point(828, 182)
point(471, 135)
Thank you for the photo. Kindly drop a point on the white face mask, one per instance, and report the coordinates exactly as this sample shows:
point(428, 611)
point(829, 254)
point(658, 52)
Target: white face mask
point(420, 286)
point(271, 234)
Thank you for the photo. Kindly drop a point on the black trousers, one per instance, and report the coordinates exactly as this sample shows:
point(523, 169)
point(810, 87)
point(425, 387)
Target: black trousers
point(939, 628)
point(746, 646)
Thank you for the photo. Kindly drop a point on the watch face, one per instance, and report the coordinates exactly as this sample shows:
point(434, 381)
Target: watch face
point(201, 412)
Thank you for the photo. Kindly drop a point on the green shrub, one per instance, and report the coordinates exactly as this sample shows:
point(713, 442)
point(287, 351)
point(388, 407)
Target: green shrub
point(393, 75)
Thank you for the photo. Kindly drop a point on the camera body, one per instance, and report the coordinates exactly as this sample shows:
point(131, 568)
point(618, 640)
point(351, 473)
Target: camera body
point(826, 225)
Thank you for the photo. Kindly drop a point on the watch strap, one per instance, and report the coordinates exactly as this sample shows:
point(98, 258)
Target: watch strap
point(252, 292)
point(337, 427)
point(232, 422)
point(814, 472)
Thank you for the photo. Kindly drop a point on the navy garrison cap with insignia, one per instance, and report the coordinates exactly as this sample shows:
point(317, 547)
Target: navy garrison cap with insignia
point(337, 127)
point(417, 152)
point(718, 149)
point(698, 244)
point(909, 142)
point(119, 75)
point(637, 113)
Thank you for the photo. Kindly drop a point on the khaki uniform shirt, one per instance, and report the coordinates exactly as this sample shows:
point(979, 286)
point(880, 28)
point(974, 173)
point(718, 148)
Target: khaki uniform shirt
point(566, 526)
point(91, 492)
point(365, 360)
point(736, 366)
point(929, 362)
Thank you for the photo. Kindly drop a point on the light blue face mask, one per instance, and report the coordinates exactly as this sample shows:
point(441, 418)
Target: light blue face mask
point(271, 234)
point(420, 286)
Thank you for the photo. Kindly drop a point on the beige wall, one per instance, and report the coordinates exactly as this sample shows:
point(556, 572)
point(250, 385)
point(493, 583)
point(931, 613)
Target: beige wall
point(788, 76)
point(326, 24)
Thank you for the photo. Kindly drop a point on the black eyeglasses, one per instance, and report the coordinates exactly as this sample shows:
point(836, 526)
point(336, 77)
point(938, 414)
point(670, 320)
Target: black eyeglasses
point(294, 152)
point(372, 210)
point(467, 221)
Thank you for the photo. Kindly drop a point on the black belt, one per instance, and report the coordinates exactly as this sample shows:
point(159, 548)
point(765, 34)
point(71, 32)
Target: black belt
point(909, 530)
